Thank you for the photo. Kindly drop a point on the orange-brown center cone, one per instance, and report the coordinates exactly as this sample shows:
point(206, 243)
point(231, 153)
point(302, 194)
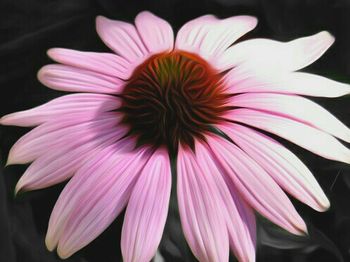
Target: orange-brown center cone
point(172, 98)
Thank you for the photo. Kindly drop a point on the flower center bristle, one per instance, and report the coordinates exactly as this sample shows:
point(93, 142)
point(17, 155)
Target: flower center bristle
point(172, 98)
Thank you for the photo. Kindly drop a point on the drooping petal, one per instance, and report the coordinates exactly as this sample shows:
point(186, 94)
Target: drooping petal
point(82, 106)
point(147, 210)
point(94, 197)
point(59, 164)
point(281, 164)
point(301, 134)
point(55, 134)
point(103, 63)
point(155, 32)
point(296, 108)
point(200, 206)
point(122, 38)
point(256, 186)
point(265, 55)
point(209, 36)
point(72, 79)
point(240, 218)
point(245, 81)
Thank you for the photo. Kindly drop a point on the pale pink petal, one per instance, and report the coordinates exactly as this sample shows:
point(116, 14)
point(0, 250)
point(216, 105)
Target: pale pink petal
point(155, 32)
point(265, 55)
point(296, 108)
point(59, 164)
point(58, 133)
point(301, 134)
point(192, 34)
point(281, 164)
point(256, 186)
point(122, 38)
point(200, 205)
point(72, 79)
point(147, 210)
point(94, 197)
point(103, 63)
point(225, 32)
point(209, 36)
point(81, 106)
point(240, 80)
point(240, 218)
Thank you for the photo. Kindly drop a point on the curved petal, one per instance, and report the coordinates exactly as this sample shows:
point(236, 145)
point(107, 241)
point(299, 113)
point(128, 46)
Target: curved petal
point(256, 186)
point(122, 38)
point(240, 218)
point(55, 134)
point(59, 164)
point(281, 164)
point(245, 81)
point(72, 79)
point(94, 197)
point(82, 106)
point(155, 32)
point(147, 209)
point(296, 108)
point(202, 218)
point(209, 36)
point(264, 55)
point(103, 63)
point(301, 134)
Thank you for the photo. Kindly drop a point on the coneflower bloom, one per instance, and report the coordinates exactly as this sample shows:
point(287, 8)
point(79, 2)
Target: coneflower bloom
point(198, 103)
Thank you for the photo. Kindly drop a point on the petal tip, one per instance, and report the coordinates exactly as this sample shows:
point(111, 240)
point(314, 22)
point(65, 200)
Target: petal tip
point(50, 245)
point(62, 252)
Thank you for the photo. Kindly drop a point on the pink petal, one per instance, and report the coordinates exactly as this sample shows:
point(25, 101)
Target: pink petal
point(155, 32)
point(103, 63)
point(209, 36)
point(193, 33)
point(94, 197)
point(72, 79)
point(225, 32)
point(201, 210)
point(59, 133)
point(240, 218)
point(59, 164)
point(264, 55)
point(83, 106)
point(147, 209)
point(301, 134)
point(281, 164)
point(122, 38)
point(296, 108)
point(239, 80)
point(256, 186)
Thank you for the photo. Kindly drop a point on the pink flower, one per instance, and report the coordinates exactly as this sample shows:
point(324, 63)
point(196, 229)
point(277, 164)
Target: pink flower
point(159, 100)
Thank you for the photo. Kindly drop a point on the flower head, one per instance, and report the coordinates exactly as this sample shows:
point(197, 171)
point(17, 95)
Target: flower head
point(198, 101)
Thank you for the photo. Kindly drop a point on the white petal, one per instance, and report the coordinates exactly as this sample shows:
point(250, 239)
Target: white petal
point(301, 134)
point(240, 80)
point(266, 55)
point(296, 108)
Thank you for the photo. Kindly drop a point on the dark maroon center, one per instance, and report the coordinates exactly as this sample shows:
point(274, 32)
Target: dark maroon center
point(172, 98)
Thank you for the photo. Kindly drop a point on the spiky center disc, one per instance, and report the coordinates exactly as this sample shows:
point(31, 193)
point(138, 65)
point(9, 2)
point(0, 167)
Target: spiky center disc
point(172, 98)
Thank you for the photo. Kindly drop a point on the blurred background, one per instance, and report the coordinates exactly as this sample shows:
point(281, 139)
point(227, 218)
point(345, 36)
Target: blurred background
point(29, 28)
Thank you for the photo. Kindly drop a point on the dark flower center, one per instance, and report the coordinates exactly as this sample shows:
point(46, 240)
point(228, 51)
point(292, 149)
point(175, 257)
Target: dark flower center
point(172, 98)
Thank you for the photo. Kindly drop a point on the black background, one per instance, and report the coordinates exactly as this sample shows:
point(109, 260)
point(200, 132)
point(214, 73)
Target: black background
point(29, 28)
